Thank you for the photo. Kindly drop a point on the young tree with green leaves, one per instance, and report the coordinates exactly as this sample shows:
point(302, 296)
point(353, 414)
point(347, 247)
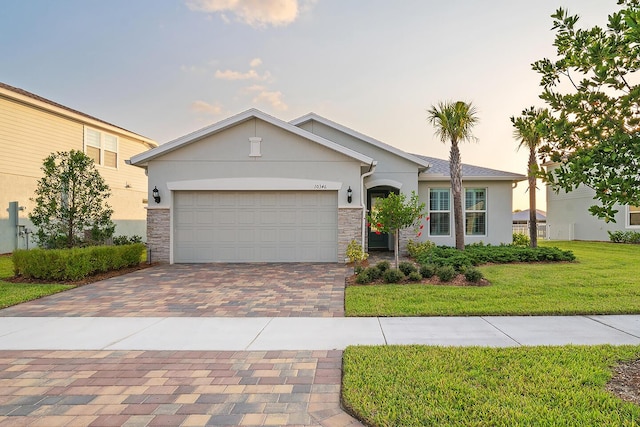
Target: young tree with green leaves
point(593, 91)
point(394, 213)
point(71, 201)
point(453, 122)
point(530, 129)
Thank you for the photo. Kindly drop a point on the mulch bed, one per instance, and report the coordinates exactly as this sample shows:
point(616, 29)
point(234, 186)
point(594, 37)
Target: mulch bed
point(459, 280)
point(625, 383)
point(86, 280)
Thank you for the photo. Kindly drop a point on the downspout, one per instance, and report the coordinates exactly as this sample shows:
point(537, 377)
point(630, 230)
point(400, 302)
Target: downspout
point(363, 202)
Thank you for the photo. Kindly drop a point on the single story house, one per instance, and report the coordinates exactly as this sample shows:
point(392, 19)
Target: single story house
point(568, 216)
point(521, 222)
point(254, 188)
point(33, 127)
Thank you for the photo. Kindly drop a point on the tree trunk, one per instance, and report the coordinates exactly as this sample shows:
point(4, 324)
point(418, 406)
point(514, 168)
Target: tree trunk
point(396, 247)
point(533, 220)
point(455, 170)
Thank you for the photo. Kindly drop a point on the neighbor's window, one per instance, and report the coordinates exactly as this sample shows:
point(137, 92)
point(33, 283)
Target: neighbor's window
point(634, 216)
point(101, 147)
point(475, 211)
point(439, 212)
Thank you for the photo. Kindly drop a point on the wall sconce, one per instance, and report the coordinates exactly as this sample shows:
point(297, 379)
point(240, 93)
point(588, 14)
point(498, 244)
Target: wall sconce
point(349, 195)
point(156, 194)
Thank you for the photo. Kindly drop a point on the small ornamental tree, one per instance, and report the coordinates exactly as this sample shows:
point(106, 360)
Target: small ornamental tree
point(394, 213)
point(71, 202)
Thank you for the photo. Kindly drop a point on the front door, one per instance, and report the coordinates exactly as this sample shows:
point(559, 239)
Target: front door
point(377, 239)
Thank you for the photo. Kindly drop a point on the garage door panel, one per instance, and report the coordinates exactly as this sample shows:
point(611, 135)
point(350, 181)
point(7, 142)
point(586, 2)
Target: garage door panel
point(255, 226)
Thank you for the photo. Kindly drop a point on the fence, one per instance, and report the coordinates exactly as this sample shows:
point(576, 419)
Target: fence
point(524, 229)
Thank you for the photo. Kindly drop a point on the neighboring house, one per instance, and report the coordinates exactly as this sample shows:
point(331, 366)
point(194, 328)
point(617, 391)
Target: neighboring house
point(521, 222)
point(255, 188)
point(568, 216)
point(31, 128)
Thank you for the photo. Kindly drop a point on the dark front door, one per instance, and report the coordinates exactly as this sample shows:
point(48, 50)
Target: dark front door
point(377, 239)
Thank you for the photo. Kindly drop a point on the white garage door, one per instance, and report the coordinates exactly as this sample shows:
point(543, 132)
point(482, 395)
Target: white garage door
point(255, 226)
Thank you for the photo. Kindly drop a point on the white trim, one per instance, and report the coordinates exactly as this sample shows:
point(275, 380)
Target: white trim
point(485, 211)
point(101, 147)
point(356, 134)
point(628, 219)
point(142, 158)
point(383, 182)
point(252, 184)
point(430, 211)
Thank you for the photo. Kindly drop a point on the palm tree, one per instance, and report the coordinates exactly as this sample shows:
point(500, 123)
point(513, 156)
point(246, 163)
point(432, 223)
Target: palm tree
point(529, 129)
point(453, 122)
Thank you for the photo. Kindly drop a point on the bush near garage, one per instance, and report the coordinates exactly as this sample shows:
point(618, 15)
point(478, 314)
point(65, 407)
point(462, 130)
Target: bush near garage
point(76, 263)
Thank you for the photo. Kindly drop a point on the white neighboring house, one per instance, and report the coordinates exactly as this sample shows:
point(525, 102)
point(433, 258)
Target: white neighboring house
point(568, 216)
point(254, 188)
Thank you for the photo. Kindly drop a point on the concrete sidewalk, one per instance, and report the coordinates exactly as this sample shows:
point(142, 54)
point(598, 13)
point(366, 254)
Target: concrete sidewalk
point(274, 333)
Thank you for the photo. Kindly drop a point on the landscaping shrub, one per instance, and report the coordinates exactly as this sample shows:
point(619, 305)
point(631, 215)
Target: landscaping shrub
point(414, 276)
point(373, 272)
point(358, 269)
point(383, 266)
point(473, 275)
point(74, 264)
point(407, 267)
point(126, 240)
point(446, 273)
point(624, 237)
point(392, 275)
point(478, 254)
point(418, 249)
point(428, 270)
point(363, 278)
point(520, 239)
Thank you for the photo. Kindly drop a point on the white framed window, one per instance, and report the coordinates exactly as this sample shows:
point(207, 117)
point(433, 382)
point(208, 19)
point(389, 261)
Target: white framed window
point(101, 147)
point(439, 212)
point(475, 211)
point(633, 216)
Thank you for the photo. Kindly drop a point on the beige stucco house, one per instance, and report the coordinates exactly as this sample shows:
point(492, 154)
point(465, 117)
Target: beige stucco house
point(31, 128)
point(254, 188)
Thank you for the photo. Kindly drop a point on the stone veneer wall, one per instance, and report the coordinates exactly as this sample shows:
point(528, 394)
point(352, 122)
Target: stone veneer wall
point(349, 228)
point(406, 235)
point(158, 234)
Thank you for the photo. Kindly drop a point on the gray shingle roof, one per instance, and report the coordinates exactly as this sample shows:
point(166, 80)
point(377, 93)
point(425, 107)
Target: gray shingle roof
point(441, 167)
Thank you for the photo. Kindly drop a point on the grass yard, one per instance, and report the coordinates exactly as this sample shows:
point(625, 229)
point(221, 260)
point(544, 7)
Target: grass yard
point(605, 279)
point(15, 293)
point(478, 386)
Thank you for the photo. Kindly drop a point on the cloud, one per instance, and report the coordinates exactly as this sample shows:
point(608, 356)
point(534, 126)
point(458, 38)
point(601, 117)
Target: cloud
point(273, 98)
point(237, 75)
point(206, 108)
point(255, 62)
point(256, 13)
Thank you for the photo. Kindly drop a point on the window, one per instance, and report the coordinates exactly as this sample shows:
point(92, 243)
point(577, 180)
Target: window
point(439, 212)
point(634, 216)
point(101, 147)
point(475, 211)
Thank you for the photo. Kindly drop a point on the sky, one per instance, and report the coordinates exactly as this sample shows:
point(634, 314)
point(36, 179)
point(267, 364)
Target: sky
point(164, 68)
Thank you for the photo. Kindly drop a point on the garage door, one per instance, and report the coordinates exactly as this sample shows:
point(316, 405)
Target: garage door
point(255, 226)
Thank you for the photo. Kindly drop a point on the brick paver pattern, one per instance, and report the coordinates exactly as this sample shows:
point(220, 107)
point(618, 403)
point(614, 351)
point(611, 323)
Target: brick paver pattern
point(214, 290)
point(171, 388)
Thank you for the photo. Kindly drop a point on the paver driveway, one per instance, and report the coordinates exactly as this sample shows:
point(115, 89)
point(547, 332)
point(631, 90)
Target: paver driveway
point(196, 290)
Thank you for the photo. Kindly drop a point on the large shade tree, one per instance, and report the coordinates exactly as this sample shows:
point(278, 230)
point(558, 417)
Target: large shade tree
point(453, 122)
point(70, 202)
point(529, 129)
point(593, 92)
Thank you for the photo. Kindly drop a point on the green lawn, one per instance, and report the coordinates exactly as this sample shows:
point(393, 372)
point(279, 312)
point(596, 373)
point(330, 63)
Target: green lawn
point(605, 279)
point(525, 386)
point(15, 293)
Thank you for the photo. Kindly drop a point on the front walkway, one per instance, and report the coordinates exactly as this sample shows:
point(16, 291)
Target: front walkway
point(204, 290)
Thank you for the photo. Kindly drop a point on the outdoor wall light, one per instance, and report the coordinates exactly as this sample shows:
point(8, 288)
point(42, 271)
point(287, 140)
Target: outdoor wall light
point(349, 195)
point(156, 194)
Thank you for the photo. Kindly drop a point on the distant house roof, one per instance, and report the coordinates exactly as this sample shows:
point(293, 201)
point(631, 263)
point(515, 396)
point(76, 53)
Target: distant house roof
point(313, 116)
point(440, 168)
point(32, 96)
point(523, 216)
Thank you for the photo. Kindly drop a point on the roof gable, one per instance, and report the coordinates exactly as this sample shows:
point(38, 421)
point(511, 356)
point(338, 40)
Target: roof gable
point(313, 116)
point(143, 158)
point(440, 169)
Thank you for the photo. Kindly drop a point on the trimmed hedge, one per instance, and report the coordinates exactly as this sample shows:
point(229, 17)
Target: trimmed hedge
point(480, 254)
point(74, 264)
